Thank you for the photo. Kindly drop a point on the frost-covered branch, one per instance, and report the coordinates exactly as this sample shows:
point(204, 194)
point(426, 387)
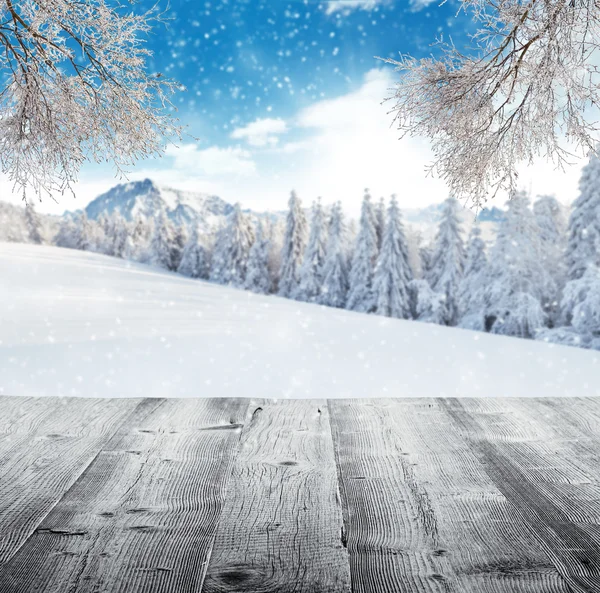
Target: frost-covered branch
point(530, 84)
point(74, 86)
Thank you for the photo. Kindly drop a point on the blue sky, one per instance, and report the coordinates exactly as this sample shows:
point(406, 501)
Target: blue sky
point(245, 60)
point(287, 95)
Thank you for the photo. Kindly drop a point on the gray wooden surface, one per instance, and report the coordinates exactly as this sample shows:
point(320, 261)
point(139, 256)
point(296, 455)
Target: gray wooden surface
point(282, 496)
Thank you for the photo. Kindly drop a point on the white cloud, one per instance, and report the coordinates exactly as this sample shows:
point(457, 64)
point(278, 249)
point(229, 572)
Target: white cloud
point(352, 147)
point(261, 132)
point(337, 148)
point(417, 5)
point(213, 161)
point(349, 5)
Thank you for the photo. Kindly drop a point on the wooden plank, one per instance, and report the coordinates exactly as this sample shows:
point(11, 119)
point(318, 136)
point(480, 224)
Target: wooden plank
point(142, 517)
point(19, 417)
point(46, 443)
point(547, 486)
point(390, 528)
point(22, 414)
point(281, 528)
point(422, 514)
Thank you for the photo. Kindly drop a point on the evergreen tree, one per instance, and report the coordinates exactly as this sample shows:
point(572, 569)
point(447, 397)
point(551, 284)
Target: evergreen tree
point(180, 240)
point(104, 233)
point(427, 305)
point(581, 303)
point(552, 225)
point(161, 253)
point(65, 237)
point(257, 274)
point(360, 295)
point(516, 273)
point(95, 236)
point(274, 230)
point(425, 253)
point(392, 272)
point(583, 247)
point(335, 271)
point(310, 274)
point(230, 258)
point(294, 243)
point(380, 222)
point(414, 242)
point(194, 259)
point(447, 260)
point(137, 240)
point(34, 225)
point(116, 240)
point(472, 287)
point(82, 232)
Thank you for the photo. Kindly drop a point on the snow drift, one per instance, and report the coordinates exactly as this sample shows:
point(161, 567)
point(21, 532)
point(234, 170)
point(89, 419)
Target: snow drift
point(83, 324)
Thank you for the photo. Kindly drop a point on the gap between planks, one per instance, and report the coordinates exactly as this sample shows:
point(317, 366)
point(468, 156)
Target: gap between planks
point(53, 437)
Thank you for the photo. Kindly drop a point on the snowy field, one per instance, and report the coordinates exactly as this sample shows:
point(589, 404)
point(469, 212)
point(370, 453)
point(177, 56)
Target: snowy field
point(77, 323)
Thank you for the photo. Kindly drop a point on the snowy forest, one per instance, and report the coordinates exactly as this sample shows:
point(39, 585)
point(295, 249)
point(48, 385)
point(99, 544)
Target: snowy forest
point(539, 278)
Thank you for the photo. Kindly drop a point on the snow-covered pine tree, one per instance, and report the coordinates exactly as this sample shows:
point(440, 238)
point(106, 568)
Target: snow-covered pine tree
point(335, 270)
point(350, 235)
point(472, 287)
point(447, 261)
point(138, 240)
point(34, 225)
point(392, 273)
point(103, 221)
point(310, 278)
point(257, 273)
point(360, 294)
point(414, 241)
point(517, 277)
point(194, 260)
point(427, 305)
point(294, 243)
point(230, 258)
point(161, 245)
point(425, 254)
point(116, 242)
point(552, 224)
point(96, 237)
point(380, 222)
point(81, 232)
point(583, 246)
point(65, 237)
point(581, 303)
point(274, 230)
point(180, 240)
point(106, 229)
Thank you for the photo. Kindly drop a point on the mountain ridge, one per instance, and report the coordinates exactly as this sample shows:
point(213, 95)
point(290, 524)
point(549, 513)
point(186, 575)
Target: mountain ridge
point(146, 199)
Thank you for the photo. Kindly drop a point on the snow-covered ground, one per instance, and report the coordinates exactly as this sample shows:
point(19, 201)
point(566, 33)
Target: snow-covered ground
point(77, 323)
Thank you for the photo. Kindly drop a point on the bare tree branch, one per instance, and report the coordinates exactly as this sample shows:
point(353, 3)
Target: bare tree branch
point(529, 87)
point(74, 86)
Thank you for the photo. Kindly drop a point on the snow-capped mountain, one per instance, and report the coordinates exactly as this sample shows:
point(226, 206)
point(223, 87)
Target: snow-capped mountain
point(146, 199)
point(425, 220)
point(432, 215)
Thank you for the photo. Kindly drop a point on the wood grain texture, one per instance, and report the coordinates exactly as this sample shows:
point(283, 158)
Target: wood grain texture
point(422, 514)
point(281, 528)
point(391, 527)
point(141, 518)
point(281, 496)
point(544, 479)
point(502, 554)
point(45, 444)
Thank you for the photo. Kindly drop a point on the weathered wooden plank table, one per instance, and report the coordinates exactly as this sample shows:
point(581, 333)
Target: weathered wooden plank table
point(373, 496)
